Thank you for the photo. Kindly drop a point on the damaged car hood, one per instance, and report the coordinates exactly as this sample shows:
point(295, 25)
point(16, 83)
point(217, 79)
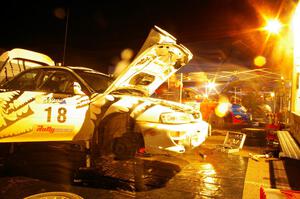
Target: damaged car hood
point(158, 59)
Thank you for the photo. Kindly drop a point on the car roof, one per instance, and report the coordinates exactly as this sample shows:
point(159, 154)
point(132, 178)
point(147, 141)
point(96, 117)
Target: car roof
point(73, 68)
point(85, 69)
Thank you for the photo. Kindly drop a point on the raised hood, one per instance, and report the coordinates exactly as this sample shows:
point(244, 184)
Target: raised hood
point(158, 59)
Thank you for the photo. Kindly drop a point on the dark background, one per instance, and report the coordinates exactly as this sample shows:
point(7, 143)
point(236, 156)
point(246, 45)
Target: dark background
point(218, 32)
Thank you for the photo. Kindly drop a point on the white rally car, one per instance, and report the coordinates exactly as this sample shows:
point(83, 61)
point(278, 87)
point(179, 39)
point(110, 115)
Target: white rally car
point(112, 116)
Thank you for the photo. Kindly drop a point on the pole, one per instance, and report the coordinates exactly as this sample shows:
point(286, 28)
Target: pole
point(235, 95)
point(66, 36)
point(274, 102)
point(181, 86)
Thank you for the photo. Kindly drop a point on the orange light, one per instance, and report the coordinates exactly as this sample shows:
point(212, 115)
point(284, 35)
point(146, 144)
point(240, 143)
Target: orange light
point(223, 107)
point(260, 61)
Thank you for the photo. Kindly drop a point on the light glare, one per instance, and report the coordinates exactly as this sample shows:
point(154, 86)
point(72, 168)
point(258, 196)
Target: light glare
point(273, 26)
point(211, 85)
point(259, 61)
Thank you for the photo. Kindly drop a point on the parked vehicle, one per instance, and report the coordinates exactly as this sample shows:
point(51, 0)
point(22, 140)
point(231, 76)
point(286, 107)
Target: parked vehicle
point(239, 115)
point(112, 116)
point(233, 114)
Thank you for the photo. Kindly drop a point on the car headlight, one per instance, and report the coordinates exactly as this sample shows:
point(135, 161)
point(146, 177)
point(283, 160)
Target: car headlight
point(175, 118)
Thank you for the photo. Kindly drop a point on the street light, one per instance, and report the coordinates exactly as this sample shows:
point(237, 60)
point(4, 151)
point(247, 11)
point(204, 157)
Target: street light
point(273, 26)
point(209, 87)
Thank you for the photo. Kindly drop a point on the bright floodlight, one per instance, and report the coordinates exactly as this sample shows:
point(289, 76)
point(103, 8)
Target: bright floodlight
point(273, 26)
point(211, 85)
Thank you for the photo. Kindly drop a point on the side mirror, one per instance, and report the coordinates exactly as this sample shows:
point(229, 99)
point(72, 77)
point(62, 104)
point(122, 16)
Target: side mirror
point(77, 89)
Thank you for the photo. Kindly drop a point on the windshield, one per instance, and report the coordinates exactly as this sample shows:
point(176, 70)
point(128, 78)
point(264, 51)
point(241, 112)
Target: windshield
point(97, 81)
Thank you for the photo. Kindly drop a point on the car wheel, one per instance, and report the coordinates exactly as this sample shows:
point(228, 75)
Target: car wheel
point(116, 136)
point(67, 195)
point(126, 146)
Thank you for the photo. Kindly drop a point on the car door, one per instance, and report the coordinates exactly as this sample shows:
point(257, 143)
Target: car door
point(49, 110)
point(61, 112)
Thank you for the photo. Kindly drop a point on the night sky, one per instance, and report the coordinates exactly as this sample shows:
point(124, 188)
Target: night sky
point(216, 31)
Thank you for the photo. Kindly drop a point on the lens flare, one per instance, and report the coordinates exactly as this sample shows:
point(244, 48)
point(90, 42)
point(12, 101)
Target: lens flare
point(260, 61)
point(273, 26)
point(222, 107)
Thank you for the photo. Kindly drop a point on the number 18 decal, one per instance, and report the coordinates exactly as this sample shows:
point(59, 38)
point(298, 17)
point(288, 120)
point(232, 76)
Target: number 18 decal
point(61, 114)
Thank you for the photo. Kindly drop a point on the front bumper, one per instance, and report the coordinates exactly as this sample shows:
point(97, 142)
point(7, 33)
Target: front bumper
point(173, 137)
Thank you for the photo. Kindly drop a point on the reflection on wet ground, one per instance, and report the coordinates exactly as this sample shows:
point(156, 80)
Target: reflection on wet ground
point(220, 175)
point(131, 175)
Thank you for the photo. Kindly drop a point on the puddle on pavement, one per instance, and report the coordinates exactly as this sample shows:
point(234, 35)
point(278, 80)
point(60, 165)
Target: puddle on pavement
point(146, 175)
point(219, 175)
point(56, 164)
point(130, 175)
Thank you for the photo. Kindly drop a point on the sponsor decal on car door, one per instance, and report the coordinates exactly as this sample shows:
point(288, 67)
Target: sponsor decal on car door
point(60, 116)
point(38, 116)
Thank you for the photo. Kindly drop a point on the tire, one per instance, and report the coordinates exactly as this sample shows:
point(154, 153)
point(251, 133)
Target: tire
point(55, 195)
point(125, 147)
point(116, 136)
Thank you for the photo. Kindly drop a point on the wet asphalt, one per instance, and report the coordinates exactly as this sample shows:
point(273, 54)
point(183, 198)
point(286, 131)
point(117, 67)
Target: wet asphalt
point(204, 172)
